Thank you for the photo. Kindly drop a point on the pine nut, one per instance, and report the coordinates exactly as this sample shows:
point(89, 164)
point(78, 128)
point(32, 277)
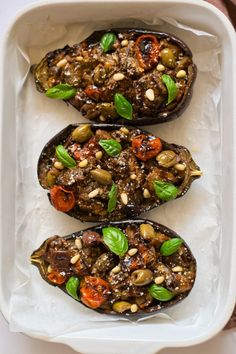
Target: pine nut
point(124, 198)
point(58, 165)
point(133, 176)
point(94, 193)
point(132, 251)
point(49, 268)
point(134, 308)
point(118, 76)
point(74, 259)
point(180, 166)
point(83, 163)
point(146, 193)
point(177, 269)
point(160, 67)
point(79, 58)
point(181, 74)
point(78, 243)
point(124, 130)
point(116, 269)
point(98, 155)
point(62, 63)
point(150, 94)
point(159, 280)
point(102, 118)
point(124, 43)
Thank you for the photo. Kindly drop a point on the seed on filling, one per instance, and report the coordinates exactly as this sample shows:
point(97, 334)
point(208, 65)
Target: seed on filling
point(150, 94)
point(78, 243)
point(124, 198)
point(132, 251)
point(79, 58)
point(159, 280)
point(74, 259)
point(98, 155)
point(49, 268)
point(181, 74)
point(133, 176)
point(118, 76)
point(94, 193)
point(146, 193)
point(160, 67)
point(102, 118)
point(62, 63)
point(116, 269)
point(177, 269)
point(124, 43)
point(83, 163)
point(124, 130)
point(180, 166)
point(134, 308)
point(58, 165)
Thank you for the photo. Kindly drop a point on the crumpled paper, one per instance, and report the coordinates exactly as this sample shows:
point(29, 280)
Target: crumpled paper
point(43, 310)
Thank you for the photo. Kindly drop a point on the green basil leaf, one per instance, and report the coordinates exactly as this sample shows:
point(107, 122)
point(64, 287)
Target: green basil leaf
point(123, 106)
point(64, 157)
point(112, 195)
point(115, 240)
point(107, 41)
point(72, 285)
point(171, 87)
point(165, 191)
point(111, 146)
point(160, 293)
point(61, 92)
point(171, 246)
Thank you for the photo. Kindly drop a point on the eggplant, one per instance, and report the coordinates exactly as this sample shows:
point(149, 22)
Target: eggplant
point(124, 76)
point(111, 172)
point(131, 267)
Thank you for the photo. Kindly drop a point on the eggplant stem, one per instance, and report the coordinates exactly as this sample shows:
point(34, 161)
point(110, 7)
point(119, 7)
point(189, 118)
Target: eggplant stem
point(196, 173)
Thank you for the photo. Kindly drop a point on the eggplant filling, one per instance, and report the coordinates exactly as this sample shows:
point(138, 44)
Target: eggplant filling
point(108, 173)
point(136, 76)
point(126, 267)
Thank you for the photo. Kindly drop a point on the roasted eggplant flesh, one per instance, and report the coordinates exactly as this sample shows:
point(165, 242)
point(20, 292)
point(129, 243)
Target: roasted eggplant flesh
point(128, 267)
point(151, 72)
point(108, 172)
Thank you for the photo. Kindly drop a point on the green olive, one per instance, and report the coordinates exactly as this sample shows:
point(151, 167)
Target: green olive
point(167, 158)
point(102, 176)
point(51, 179)
point(147, 231)
point(167, 58)
point(141, 277)
point(82, 133)
point(121, 306)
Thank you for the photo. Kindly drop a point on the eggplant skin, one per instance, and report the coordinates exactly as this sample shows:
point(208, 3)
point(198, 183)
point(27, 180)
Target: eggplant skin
point(133, 177)
point(91, 72)
point(95, 260)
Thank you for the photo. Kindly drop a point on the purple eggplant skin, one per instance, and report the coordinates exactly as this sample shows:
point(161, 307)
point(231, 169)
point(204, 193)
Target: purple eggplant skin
point(38, 260)
point(101, 108)
point(134, 209)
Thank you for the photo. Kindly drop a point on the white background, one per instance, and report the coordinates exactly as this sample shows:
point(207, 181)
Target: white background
point(16, 343)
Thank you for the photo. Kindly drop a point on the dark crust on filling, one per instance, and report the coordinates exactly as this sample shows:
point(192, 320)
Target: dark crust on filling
point(159, 265)
point(133, 87)
point(139, 203)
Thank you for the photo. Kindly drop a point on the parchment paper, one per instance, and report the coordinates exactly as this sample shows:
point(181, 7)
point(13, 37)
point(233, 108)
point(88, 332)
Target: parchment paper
point(41, 309)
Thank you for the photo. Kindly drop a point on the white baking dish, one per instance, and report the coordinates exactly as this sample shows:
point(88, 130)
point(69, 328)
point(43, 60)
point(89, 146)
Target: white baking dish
point(145, 337)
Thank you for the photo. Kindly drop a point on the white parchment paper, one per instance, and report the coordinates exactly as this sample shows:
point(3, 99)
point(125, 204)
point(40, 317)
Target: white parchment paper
point(40, 309)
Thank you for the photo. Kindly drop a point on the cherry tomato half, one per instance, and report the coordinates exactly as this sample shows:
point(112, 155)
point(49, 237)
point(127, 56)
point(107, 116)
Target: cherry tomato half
point(94, 291)
point(147, 51)
point(145, 148)
point(56, 278)
point(62, 199)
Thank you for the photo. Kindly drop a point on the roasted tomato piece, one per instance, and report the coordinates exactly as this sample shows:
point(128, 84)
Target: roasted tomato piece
point(93, 92)
point(62, 199)
point(147, 51)
point(145, 147)
point(94, 291)
point(56, 278)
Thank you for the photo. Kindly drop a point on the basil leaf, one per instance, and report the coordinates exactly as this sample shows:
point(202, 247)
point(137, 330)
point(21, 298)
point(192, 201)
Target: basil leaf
point(112, 195)
point(171, 87)
point(61, 92)
point(64, 157)
point(111, 146)
point(160, 293)
point(123, 106)
point(107, 41)
point(171, 246)
point(165, 191)
point(115, 240)
point(72, 287)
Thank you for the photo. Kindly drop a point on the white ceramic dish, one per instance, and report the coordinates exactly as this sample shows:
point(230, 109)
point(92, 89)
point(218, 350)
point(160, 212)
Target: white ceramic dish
point(144, 337)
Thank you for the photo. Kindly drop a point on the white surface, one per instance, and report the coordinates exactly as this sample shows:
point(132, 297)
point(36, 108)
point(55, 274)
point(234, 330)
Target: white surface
point(16, 343)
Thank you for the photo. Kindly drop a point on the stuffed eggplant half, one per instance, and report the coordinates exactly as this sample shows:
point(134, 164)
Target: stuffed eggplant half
point(137, 76)
point(128, 267)
point(111, 172)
